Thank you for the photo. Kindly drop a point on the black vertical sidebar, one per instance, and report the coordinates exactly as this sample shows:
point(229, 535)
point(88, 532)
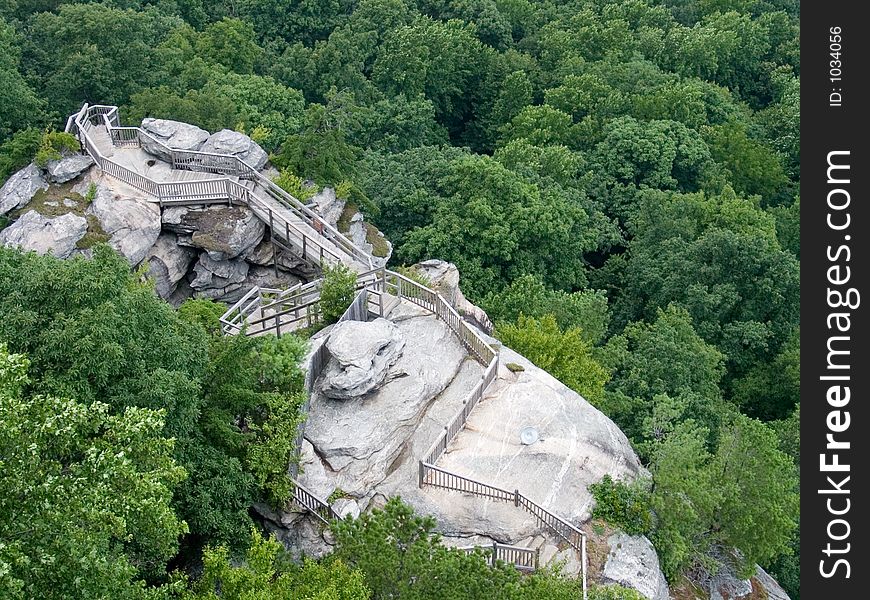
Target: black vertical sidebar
point(835, 370)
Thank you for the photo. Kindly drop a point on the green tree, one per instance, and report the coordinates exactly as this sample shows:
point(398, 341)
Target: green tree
point(85, 495)
point(262, 576)
point(564, 355)
point(586, 309)
point(758, 513)
point(337, 293)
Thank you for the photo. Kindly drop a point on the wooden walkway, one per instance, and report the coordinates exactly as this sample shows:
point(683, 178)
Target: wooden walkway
point(212, 178)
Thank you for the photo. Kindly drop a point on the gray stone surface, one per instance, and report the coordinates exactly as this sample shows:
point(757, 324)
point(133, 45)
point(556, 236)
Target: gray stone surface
point(168, 263)
point(577, 446)
point(727, 585)
point(362, 353)
point(770, 585)
point(444, 278)
point(68, 167)
point(214, 279)
point(132, 223)
point(56, 236)
point(263, 277)
point(362, 440)
point(633, 563)
point(21, 187)
point(225, 232)
point(327, 205)
point(227, 141)
point(175, 134)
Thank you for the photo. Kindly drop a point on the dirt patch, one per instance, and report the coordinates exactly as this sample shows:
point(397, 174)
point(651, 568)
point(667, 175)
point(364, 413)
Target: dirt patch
point(597, 531)
point(684, 589)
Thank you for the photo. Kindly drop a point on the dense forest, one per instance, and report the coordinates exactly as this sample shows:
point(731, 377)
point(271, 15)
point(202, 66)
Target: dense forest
point(617, 181)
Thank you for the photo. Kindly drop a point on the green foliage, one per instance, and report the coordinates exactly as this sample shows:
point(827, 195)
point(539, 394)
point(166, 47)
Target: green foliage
point(205, 313)
point(613, 592)
point(563, 354)
point(262, 576)
point(702, 500)
point(53, 145)
point(294, 185)
point(321, 152)
point(93, 332)
point(401, 557)
point(338, 291)
point(626, 167)
point(527, 295)
point(85, 506)
point(17, 151)
point(625, 505)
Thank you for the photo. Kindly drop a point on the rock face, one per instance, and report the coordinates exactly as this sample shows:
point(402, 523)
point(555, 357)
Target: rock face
point(726, 585)
point(238, 144)
point(359, 442)
point(633, 563)
point(225, 232)
point(181, 136)
point(168, 263)
point(57, 236)
point(327, 205)
point(444, 278)
point(68, 167)
point(362, 354)
point(21, 187)
point(214, 279)
point(133, 224)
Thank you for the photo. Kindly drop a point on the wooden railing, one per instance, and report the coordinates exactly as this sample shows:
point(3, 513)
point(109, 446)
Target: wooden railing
point(524, 559)
point(317, 507)
point(308, 247)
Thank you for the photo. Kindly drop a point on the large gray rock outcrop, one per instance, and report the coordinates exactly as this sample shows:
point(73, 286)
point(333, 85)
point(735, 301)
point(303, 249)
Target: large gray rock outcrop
point(68, 167)
point(444, 278)
point(225, 232)
point(633, 563)
point(362, 354)
point(361, 441)
point(133, 224)
point(168, 263)
point(174, 134)
point(238, 144)
point(56, 236)
point(21, 187)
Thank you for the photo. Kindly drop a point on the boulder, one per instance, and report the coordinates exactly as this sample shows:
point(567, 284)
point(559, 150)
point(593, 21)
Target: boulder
point(238, 144)
point(727, 585)
point(262, 277)
point(633, 563)
point(346, 507)
point(214, 279)
point(56, 236)
point(132, 223)
point(174, 134)
point(225, 232)
point(327, 205)
point(360, 441)
point(168, 263)
point(444, 278)
point(68, 167)
point(21, 187)
point(362, 353)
